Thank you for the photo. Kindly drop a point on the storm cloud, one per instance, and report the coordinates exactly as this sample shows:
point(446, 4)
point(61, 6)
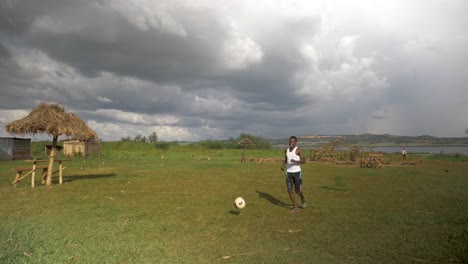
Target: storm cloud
point(193, 70)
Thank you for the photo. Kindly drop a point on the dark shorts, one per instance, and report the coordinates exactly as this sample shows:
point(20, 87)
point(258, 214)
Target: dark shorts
point(294, 178)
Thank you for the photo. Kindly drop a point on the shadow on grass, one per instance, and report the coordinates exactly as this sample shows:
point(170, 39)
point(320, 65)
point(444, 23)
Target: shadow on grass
point(234, 212)
point(71, 178)
point(331, 188)
point(272, 199)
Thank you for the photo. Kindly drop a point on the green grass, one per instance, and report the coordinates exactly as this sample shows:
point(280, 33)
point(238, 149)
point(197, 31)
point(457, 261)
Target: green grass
point(130, 206)
point(457, 157)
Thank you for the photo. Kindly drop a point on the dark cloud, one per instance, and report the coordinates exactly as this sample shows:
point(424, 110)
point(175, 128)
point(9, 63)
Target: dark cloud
point(215, 69)
point(4, 53)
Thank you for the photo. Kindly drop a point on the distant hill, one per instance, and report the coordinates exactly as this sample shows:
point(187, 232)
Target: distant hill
point(374, 140)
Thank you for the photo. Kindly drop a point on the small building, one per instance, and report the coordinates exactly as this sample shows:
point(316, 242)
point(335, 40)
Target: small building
point(48, 149)
point(84, 148)
point(12, 148)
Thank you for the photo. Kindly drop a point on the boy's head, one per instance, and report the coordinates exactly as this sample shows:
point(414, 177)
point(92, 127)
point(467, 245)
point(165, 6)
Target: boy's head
point(292, 141)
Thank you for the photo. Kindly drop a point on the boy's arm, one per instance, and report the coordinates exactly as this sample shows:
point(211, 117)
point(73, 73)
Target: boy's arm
point(302, 159)
point(283, 166)
point(301, 154)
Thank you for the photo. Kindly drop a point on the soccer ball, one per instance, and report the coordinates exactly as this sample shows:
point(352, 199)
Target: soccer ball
point(239, 202)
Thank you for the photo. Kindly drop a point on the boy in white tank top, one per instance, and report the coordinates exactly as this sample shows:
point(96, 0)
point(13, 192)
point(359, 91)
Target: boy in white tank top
point(294, 157)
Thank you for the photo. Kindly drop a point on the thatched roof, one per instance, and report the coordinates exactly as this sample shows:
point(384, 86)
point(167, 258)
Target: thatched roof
point(246, 142)
point(51, 119)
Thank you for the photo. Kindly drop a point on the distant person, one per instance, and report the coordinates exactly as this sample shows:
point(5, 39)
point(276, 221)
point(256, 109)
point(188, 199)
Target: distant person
point(294, 157)
point(403, 153)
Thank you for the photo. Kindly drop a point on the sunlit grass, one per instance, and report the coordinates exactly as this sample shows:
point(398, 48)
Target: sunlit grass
point(131, 206)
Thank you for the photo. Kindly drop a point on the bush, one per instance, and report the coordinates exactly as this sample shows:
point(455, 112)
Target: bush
point(162, 145)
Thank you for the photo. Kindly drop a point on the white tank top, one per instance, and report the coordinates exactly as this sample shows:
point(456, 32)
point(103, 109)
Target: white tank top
point(292, 155)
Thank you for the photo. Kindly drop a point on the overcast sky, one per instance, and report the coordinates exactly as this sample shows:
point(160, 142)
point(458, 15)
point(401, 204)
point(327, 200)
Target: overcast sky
point(211, 69)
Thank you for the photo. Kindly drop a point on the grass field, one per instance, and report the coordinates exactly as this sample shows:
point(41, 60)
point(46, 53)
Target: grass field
point(130, 206)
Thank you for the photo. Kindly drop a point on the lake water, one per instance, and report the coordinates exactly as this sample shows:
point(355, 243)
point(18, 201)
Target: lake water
point(428, 149)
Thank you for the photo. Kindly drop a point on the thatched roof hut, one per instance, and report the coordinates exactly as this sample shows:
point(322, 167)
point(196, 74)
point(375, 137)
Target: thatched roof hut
point(52, 119)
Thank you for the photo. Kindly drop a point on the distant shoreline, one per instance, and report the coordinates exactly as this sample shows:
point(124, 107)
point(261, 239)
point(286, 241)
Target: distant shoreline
point(413, 145)
point(381, 145)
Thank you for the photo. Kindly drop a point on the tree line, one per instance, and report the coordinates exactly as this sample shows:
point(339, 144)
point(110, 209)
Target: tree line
point(259, 142)
point(152, 139)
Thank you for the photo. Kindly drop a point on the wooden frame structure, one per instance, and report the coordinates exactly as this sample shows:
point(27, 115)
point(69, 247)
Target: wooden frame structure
point(337, 152)
point(35, 167)
point(246, 143)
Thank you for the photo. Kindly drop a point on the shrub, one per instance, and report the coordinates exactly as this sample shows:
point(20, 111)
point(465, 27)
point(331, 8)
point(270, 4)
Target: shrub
point(162, 145)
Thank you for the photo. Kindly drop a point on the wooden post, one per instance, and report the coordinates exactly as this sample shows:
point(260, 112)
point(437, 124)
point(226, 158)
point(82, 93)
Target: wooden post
point(44, 175)
point(51, 162)
point(60, 172)
point(18, 174)
point(33, 177)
